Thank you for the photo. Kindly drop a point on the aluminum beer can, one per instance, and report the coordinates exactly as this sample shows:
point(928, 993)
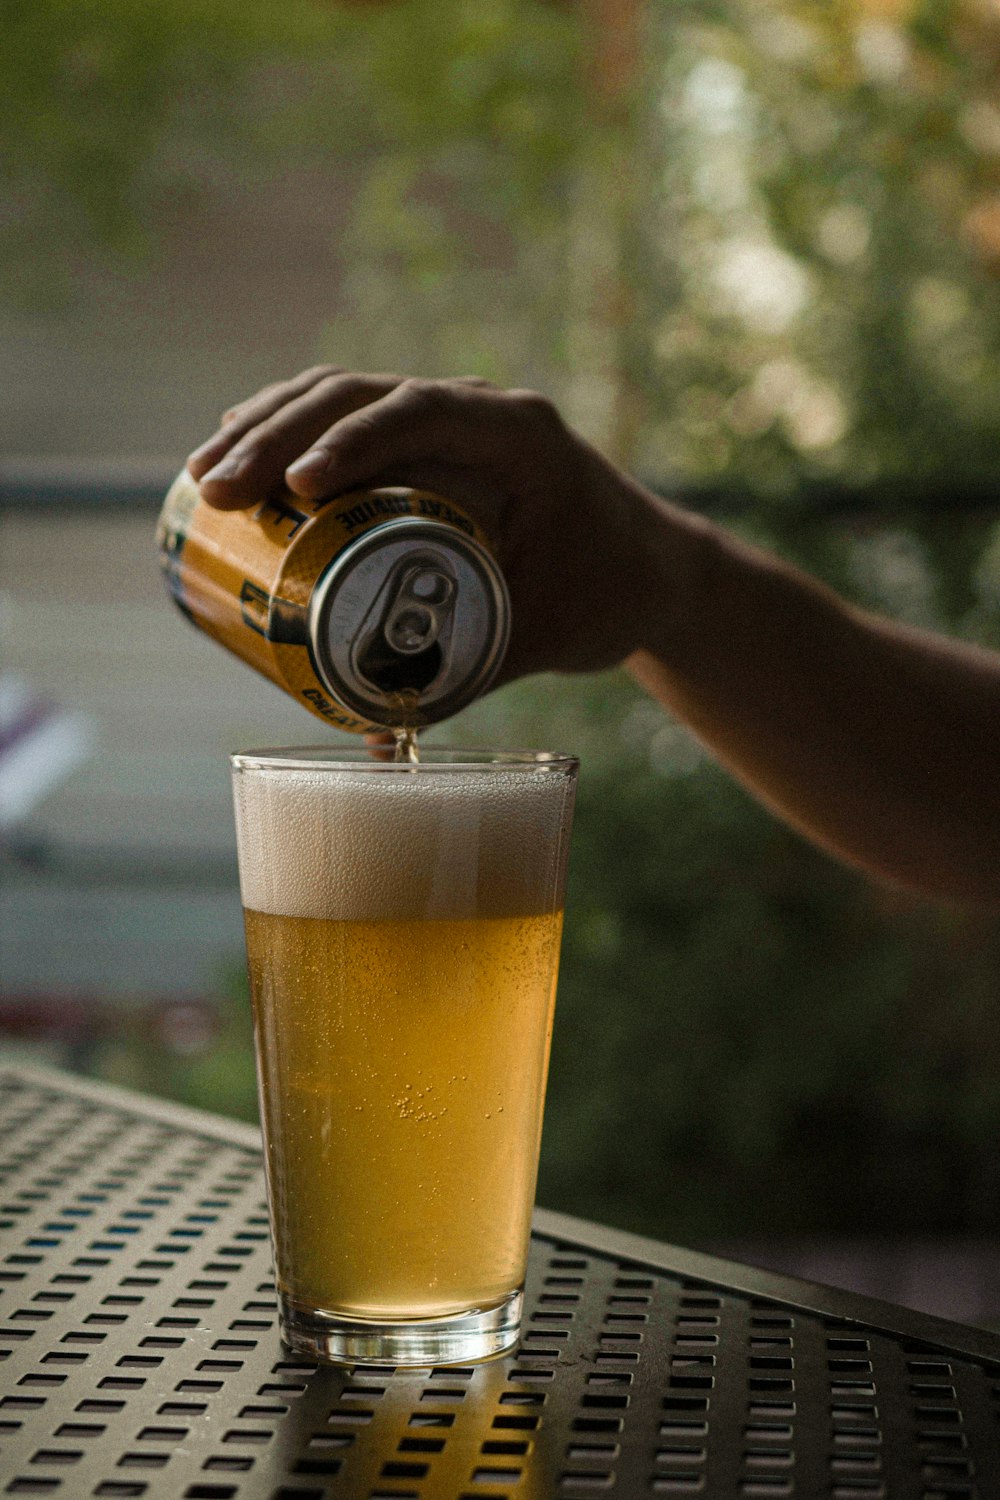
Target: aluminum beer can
point(382, 607)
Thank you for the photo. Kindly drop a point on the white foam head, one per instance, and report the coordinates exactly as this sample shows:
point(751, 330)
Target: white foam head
point(373, 841)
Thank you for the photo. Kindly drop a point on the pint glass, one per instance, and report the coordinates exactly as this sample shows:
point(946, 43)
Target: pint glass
point(402, 927)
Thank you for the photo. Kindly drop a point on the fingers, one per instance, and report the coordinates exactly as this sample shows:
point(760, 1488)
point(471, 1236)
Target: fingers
point(328, 431)
point(271, 430)
point(458, 421)
point(246, 414)
point(382, 744)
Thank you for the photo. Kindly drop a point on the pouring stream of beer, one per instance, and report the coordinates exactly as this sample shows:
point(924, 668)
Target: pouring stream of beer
point(405, 752)
point(406, 746)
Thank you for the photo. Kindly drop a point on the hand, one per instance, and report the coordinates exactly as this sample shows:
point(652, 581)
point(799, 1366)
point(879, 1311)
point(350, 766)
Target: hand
point(875, 740)
point(566, 527)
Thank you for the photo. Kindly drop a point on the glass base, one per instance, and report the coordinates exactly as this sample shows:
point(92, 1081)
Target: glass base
point(480, 1333)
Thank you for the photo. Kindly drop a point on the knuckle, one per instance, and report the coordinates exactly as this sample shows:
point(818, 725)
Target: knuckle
point(425, 395)
point(247, 450)
point(342, 386)
point(475, 382)
point(351, 387)
point(266, 393)
point(331, 384)
point(416, 386)
point(535, 408)
point(321, 372)
point(258, 441)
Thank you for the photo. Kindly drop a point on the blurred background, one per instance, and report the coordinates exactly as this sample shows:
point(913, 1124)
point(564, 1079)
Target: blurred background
point(752, 248)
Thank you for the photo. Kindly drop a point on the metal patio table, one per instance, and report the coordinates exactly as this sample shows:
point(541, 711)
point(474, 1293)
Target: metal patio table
point(140, 1354)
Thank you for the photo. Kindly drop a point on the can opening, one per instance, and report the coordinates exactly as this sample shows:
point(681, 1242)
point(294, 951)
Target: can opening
point(412, 609)
point(397, 671)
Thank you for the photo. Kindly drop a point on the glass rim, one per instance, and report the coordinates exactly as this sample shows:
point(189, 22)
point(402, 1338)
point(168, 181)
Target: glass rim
point(433, 758)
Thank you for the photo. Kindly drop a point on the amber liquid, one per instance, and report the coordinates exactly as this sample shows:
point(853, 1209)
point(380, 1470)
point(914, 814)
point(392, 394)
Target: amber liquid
point(402, 1068)
point(405, 704)
point(406, 748)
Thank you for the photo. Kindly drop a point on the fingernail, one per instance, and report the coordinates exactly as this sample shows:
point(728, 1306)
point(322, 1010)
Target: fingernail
point(310, 464)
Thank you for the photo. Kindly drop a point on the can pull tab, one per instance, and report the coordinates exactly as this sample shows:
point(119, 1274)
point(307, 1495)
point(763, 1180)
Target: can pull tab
point(423, 603)
point(406, 650)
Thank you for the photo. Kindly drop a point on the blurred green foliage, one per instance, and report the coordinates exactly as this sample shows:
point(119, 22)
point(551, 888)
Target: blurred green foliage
point(778, 248)
point(778, 256)
point(827, 218)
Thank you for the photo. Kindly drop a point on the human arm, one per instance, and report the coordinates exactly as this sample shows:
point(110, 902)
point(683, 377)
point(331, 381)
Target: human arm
point(876, 741)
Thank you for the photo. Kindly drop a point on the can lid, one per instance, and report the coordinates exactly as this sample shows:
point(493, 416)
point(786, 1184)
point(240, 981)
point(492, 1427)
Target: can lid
point(409, 623)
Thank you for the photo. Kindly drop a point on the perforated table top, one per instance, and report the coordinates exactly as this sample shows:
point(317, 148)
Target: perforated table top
point(140, 1354)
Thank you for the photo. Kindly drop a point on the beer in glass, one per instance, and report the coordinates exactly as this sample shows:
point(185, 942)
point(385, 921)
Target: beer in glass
point(403, 926)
